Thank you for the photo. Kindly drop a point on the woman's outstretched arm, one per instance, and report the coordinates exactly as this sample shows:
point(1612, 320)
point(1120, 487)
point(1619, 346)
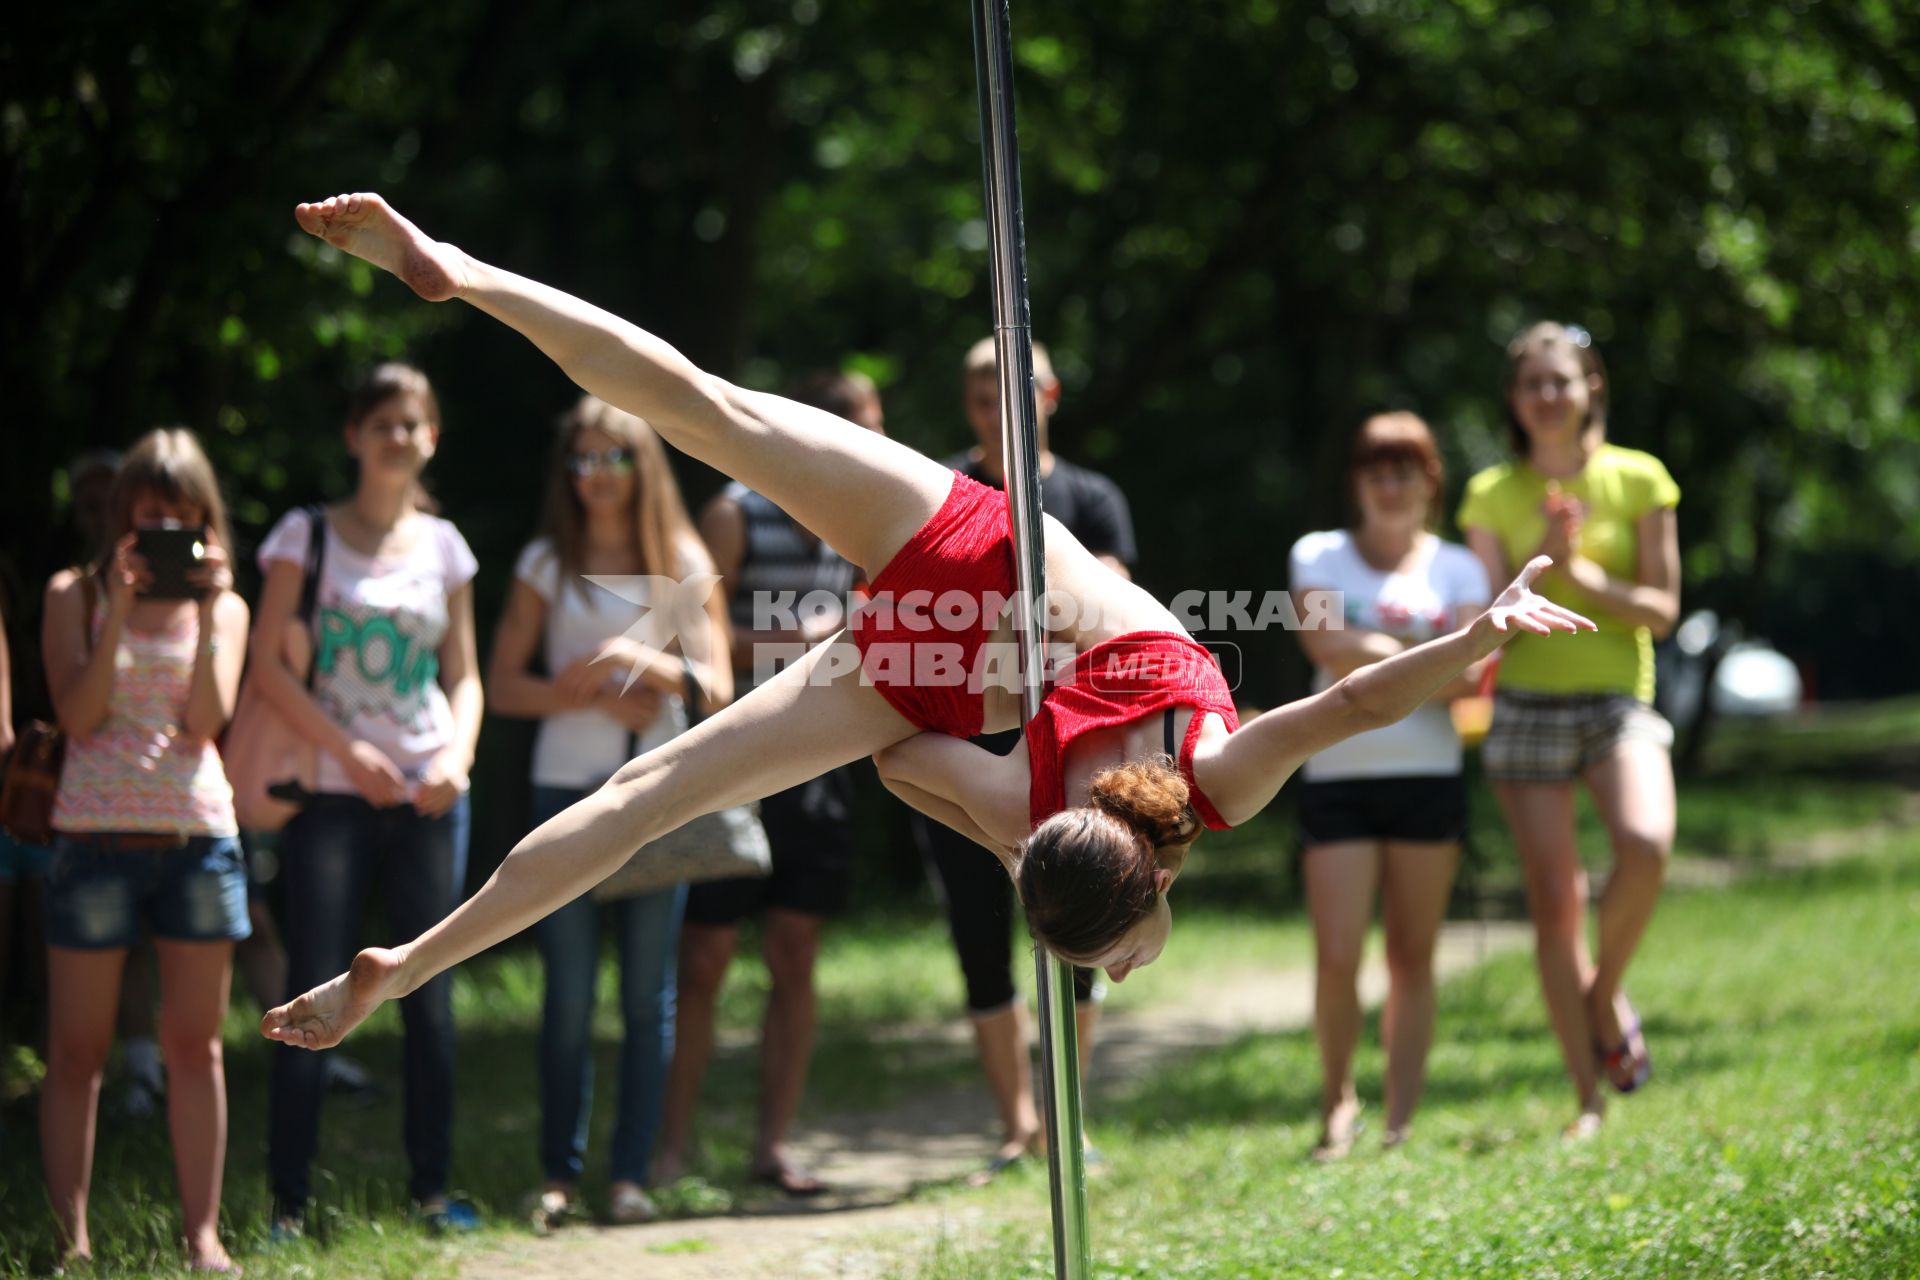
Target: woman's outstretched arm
point(1245, 772)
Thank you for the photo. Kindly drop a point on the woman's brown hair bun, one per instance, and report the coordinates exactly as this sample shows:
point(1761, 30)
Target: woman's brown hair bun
point(1151, 797)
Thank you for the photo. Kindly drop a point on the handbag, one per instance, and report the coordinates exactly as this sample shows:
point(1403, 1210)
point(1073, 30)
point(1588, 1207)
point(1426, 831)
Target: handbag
point(31, 784)
point(1472, 715)
point(724, 845)
point(269, 764)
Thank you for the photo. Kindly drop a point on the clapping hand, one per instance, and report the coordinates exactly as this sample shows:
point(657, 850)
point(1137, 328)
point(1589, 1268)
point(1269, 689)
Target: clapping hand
point(1565, 514)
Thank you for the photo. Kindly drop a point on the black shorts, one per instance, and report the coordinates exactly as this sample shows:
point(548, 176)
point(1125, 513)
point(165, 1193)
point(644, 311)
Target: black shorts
point(1410, 808)
point(811, 832)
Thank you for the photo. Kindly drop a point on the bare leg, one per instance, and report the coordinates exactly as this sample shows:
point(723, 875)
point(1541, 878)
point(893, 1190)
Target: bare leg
point(795, 727)
point(263, 957)
point(865, 495)
point(1341, 878)
point(1632, 789)
point(1001, 1038)
point(83, 996)
point(706, 951)
point(1413, 901)
point(194, 980)
point(1541, 816)
point(791, 944)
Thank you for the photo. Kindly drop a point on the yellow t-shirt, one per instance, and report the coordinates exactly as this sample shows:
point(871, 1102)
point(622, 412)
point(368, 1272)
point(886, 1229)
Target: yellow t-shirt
point(1617, 487)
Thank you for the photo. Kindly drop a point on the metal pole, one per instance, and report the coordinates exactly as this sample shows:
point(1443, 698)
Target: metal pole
point(1020, 449)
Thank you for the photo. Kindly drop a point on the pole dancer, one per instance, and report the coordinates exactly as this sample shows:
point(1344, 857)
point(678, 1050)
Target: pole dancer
point(1124, 767)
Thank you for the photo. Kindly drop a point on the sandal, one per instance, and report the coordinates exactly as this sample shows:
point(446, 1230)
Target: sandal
point(1624, 1068)
point(788, 1180)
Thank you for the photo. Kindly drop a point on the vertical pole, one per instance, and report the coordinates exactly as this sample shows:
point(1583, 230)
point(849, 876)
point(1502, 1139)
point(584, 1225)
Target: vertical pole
point(1020, 449)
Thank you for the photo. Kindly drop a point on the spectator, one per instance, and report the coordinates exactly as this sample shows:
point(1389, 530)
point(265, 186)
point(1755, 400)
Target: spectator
point(142, 685)
point(1383, 812)
point(23, 870)
point(764, 553)
point(614, 508)
point(979, 905)
point(393, 709)
point(1583, 712)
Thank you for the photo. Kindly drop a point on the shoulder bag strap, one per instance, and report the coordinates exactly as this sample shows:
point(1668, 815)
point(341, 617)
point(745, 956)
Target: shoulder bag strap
point(310, 583)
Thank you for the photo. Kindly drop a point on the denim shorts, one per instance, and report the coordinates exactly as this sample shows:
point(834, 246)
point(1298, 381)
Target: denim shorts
point(17, 860)
point(100, 895)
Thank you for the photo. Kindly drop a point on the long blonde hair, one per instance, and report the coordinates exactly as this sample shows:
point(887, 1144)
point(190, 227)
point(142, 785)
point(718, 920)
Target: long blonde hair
point(662, 532)
point(169, 463)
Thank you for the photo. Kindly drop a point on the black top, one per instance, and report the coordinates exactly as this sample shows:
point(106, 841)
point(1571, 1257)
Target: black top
point(1090, 505)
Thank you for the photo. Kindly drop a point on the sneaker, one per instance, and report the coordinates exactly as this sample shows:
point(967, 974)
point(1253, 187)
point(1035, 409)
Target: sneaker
point(286, 1229)
point(442, 1216)
point(553, 1209)
point(631, 1206)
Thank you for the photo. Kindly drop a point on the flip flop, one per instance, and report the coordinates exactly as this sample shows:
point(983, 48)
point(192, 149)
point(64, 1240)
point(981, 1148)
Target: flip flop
point(1000, 1163)
point(788, 1181)
point(1638, 1068)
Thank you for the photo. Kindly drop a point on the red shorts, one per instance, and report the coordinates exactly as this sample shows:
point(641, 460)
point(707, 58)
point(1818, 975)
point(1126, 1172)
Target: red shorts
point(932, 608)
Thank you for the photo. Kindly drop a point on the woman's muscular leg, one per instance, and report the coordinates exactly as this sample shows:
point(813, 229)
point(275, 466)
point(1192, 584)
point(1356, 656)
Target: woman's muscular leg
point(816, 715)
point(863, 494)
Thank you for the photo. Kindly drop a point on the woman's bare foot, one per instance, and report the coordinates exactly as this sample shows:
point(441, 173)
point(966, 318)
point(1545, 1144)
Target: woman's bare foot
point(321, 1018)
point(1585, 1125)
point(366, 226)
point(1337, 1131)
point(210, 1256)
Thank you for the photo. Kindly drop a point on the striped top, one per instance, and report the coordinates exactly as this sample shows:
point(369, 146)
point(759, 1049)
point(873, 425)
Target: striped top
point(782, 566)
point(139, 773)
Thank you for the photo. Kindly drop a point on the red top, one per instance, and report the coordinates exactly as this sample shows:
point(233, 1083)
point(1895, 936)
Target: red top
point(932, 609)
point(1117, 682)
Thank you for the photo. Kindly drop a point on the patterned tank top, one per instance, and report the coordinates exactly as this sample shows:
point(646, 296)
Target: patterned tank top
point(139, 773)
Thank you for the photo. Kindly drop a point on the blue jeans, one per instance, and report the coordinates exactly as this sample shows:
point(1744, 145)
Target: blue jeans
point(328, 854)
point(646, 929)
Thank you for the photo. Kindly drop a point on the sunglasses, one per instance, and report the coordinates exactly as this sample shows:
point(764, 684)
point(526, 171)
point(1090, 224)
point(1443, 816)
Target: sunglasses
point(589, 461)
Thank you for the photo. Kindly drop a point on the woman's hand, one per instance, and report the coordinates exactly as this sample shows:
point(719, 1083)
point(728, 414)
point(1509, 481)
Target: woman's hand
point(377, 779)
point(580, 684)
point(1519, 608)
point(635, 710)
point(212, 577)
point(127, 577)
point(441, 786)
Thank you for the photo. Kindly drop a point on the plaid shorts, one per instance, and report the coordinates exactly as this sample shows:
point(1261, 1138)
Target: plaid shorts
point(1553, 737)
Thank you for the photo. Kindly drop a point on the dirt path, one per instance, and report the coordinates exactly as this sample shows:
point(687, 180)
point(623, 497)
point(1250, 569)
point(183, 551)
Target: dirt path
point(876, 1158)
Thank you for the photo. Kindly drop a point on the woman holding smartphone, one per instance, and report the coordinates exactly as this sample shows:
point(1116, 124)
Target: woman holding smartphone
point(393, 709)
point(143, 656)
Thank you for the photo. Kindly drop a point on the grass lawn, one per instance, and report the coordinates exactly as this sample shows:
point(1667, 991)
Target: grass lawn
point(1779, 1137)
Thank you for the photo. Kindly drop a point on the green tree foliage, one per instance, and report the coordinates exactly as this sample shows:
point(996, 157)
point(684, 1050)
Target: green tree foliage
point(1249, 223)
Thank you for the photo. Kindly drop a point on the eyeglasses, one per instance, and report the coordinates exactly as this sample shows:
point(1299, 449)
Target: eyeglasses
point(581, 465)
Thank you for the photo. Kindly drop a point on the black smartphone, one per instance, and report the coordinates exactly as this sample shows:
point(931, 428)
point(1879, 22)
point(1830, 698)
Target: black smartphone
point(170, 551)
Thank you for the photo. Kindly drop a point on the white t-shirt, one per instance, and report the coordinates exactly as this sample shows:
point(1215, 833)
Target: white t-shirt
point(1414, 606)
point(377, 627)
point(582, 749)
